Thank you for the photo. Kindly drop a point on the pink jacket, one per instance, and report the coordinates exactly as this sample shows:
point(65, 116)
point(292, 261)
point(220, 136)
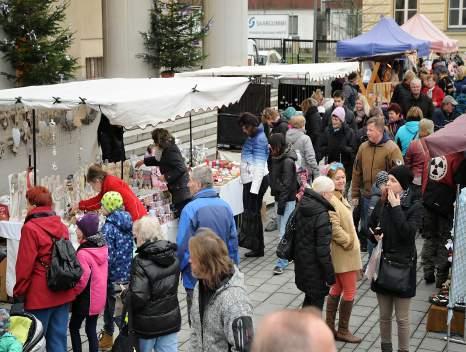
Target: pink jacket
point(94, 262)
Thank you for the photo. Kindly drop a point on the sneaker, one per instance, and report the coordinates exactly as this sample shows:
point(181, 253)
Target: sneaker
point(272, 225)
point(277, 270)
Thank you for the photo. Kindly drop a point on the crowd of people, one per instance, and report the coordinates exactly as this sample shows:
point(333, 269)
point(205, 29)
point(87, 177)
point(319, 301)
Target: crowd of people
point(353, 177)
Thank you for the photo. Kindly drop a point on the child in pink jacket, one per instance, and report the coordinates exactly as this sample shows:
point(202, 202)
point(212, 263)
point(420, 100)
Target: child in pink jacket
point(91, 289)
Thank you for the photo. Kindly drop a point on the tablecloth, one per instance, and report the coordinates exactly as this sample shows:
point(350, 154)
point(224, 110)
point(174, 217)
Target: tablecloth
point(11, 230)
point(232, 193)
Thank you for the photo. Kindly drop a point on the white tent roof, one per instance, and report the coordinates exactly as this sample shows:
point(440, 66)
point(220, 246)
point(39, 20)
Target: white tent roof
point(134, 102)
point(314, 72)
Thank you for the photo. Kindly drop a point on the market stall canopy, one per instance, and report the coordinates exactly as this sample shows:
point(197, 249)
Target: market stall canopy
point(313, 72)
point(421, 27)
point(448, 140)
point(133, 102)
point(385, 38)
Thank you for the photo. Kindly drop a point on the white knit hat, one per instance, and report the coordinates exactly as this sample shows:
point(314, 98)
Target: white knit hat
point(323, 184)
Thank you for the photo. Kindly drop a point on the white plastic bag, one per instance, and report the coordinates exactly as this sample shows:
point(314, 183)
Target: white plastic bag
point(372, 269)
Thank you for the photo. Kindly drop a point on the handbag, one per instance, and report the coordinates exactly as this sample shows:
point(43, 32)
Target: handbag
point(285, 248)
point(395, 275)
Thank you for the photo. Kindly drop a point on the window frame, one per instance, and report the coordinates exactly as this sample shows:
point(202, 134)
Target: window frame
point(461, 7)
point(293, 21)
point(405, 10)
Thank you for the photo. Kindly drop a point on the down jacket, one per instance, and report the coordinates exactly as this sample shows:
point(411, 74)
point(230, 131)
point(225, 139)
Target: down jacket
point(153, 290)
point(314, 271)
point(339, 146)
point(314, 128)
point(283, 179)
point(302, 143)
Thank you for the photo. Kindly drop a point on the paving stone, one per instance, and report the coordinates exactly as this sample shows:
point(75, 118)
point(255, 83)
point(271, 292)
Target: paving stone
point(433, 344)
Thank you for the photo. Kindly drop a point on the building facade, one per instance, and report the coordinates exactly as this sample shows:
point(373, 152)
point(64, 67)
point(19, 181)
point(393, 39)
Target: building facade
point(448, 15)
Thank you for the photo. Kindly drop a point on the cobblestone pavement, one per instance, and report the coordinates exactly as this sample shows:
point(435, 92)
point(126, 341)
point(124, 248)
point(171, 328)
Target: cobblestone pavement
point(270, 293)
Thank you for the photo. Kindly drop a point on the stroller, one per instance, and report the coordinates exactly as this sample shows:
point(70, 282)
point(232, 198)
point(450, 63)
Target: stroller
point(29, 331)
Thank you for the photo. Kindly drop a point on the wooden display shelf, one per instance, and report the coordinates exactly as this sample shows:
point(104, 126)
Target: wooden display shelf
point(437, 320)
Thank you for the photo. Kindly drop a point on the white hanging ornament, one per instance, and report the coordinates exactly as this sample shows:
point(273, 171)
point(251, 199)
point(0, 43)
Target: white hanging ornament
point(16, 135)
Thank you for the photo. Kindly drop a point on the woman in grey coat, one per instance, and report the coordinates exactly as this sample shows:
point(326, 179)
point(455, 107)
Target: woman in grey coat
point(301, 142)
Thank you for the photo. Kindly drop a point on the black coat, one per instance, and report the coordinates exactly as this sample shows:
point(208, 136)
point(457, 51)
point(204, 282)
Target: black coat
point(399, 226)
point(281, 126)
point(314, 129)
point(173, 168)
point(110, 139)
point(339, 146)
point(153, 290)
point(402, 96)
point(425, 104)
point(283, 179)
point(313, 262)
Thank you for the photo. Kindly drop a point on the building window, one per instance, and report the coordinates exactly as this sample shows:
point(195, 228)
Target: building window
point(94, 67)
point(404, 10)
point(293, 25)
point(456, 13)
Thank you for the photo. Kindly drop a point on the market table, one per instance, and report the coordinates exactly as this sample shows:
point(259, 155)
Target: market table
point(232, 193)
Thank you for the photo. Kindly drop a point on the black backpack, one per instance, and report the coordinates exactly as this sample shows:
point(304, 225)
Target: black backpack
point(285, 248)
point(64, 270)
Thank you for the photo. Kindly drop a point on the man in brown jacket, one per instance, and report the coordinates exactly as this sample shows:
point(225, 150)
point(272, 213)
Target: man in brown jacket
point(377, 154)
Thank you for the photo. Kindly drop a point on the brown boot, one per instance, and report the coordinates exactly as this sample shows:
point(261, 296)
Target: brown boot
point(343, 333)
point(331, 312)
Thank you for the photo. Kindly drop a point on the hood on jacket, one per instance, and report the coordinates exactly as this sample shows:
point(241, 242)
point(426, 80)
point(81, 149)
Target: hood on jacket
point(385, 139)
point(99, 253)
point(313, 203)
point(288, 153)
point(122, 220)
point(237, 280)
point(162, 252)
point(294, 134)
point(206, 193)
point(412, 126)
point(49, 223)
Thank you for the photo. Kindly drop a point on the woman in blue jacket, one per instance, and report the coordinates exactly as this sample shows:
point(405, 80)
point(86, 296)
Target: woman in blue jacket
point(410, 130)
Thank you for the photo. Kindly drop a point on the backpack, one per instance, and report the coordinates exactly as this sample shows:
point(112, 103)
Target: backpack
point(285, 248)
point(64, 270)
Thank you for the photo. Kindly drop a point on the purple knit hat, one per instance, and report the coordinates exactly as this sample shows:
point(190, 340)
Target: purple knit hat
point(89, 224)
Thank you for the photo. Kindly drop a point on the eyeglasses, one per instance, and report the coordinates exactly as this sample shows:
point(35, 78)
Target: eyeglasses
point(335, 166)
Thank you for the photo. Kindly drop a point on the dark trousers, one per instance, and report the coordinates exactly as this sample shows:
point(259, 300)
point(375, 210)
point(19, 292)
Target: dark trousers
point(109, 310)
point(436, 233)
point(91, 332)
point(189, 302)
point(314, 301)
point(252, 203)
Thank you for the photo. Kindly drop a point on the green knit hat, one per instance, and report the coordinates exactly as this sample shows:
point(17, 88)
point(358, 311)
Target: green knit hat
point(112, 201)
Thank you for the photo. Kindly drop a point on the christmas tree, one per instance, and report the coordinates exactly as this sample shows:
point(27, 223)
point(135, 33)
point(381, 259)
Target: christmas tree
point(174, 37)
point(35, 42)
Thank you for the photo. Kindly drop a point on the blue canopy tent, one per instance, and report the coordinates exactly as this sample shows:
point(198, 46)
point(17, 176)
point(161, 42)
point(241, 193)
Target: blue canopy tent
point(385, 38)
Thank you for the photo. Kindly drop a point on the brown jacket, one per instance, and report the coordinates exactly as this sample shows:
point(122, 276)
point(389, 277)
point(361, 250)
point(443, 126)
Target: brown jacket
point(371, 159)
point(345, 249)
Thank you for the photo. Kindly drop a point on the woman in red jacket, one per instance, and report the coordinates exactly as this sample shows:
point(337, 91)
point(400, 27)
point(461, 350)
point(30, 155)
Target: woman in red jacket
point(40, 228)
point(101, 182)
point(433, 91)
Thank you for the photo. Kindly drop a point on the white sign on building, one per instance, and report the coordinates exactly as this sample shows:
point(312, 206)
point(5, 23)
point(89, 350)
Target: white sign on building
point(268, 26)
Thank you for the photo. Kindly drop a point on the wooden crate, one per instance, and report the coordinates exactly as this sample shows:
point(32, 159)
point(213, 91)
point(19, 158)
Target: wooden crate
point(437, 320)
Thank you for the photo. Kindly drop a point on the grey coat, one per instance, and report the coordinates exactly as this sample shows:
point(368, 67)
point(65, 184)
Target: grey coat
point(227, 324)
point(301, 142)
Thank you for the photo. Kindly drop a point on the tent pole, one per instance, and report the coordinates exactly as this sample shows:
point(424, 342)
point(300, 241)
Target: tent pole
point(190, 139)
point(34, 145)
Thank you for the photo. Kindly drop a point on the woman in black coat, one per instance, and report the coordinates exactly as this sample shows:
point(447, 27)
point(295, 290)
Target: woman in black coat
point(313, 126)
point(395, 221)
point(152, 296)
point(314, 272)
point(172, 166)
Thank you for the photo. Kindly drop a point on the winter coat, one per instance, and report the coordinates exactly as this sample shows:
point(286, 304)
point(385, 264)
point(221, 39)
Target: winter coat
point(349, 118)
point(424, 103)
point(441, 118)
point(112, 183)
point(35, 246)
point(371, 159)
point(339, 146)
point(345, 250)
point(314, 128)
point(361, 119)
point(460, 86)
point(283, 179)
point(436, 94)
point(399, 226)
point(302, 143)
point(446, 85)
point(406, 134)
point(224, 322)
point(351, 94)
point(254, 157)
point(206, 209)
point(91, 289)
point(281, 126)
point(376, 194)
point(393, 127)
point(415, 159)
point(313, 267)
point(173, 168)
point(9, 343)
point(118, 233)
point(153, 290)
point(402, 96)
point(110, 139)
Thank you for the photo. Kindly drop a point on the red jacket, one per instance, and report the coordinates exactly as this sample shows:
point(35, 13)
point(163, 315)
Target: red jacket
point(36, 244)
point(437, 95)
point(442, 169)
point(112, 183)
point(417, 156)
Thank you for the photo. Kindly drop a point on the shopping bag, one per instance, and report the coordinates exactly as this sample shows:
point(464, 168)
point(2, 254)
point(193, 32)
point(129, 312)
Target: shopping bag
point(372, 269)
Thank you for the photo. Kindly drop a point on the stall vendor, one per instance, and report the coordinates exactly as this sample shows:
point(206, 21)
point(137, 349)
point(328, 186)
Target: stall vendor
point(101, 182)
point(172, 166)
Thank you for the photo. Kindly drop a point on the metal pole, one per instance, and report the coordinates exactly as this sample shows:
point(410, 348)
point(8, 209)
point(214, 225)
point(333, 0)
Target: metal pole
point(34, 145)
point(190, 139)
point(314, 34)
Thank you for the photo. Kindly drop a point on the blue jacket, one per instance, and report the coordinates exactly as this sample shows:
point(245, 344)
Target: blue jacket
point(206, 209)
point(406, 134)
point(118, 232)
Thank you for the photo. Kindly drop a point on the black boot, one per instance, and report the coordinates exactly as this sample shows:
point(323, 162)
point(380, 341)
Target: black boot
point(387, 347)
point(253, 254)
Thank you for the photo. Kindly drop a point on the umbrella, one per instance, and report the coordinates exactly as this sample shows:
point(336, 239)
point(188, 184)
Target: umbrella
point(448, 140)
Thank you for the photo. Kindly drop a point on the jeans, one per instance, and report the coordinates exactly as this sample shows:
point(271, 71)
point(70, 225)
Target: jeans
point(189, 302)
point(55, 323)
point(91, 332)
point(166, 343)
point(109, 312)
point(282, 220)
point(314, 301)
point(386, 304)
point(364, 223)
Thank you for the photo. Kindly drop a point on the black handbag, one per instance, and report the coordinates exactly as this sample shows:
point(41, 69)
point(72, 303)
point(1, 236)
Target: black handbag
point(285, 248)
point(395, 275)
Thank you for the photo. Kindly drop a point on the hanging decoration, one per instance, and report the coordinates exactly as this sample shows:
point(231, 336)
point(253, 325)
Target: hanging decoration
point(53, 136)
